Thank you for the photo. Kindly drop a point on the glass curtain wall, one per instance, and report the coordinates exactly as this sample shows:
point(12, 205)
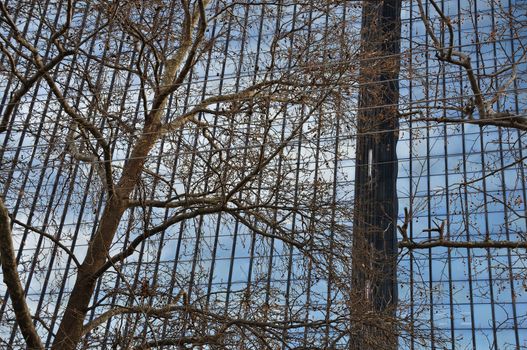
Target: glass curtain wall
point(278, 255)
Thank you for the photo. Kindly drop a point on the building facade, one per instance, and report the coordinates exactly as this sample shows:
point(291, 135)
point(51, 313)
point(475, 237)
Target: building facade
point(230, 150)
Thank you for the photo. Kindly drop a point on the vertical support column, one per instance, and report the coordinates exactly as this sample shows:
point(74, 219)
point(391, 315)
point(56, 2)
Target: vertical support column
point(375, 211)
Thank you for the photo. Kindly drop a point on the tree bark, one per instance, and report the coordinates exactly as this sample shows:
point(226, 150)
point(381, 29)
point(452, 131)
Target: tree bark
point(12, 281)
point(70, 329)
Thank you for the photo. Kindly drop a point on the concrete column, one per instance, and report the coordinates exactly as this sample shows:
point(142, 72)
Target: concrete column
point(374, 282)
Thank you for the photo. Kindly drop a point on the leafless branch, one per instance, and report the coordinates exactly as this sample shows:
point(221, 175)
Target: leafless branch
point(12, 281)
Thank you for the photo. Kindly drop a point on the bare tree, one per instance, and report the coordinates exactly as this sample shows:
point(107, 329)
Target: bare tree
point(154, 149)
point(93, 58)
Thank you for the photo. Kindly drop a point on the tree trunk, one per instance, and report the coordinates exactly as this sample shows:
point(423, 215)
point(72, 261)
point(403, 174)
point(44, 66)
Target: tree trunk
point(70, 329)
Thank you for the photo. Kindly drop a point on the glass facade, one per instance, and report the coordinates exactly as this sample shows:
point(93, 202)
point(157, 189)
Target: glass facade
point(242, 218)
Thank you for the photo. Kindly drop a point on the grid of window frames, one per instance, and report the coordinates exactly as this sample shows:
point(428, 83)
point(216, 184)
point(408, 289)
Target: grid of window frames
point(468, 178)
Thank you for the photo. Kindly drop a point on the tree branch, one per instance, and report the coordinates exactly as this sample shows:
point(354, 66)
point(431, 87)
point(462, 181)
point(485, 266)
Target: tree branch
point(130, 249)
point(51, 238)
point(141, 309)
point(12, 281)
point(504, 120)
point(453, 244)
point(442, 242)
point(194, 341)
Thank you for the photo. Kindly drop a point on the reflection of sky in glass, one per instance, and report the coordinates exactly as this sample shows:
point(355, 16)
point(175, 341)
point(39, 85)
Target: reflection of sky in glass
point(471, 292)
point(467, 296)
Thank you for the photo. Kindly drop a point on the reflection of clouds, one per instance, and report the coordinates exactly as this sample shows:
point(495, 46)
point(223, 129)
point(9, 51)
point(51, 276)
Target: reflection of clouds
point(431, 166)
point(442, 159)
